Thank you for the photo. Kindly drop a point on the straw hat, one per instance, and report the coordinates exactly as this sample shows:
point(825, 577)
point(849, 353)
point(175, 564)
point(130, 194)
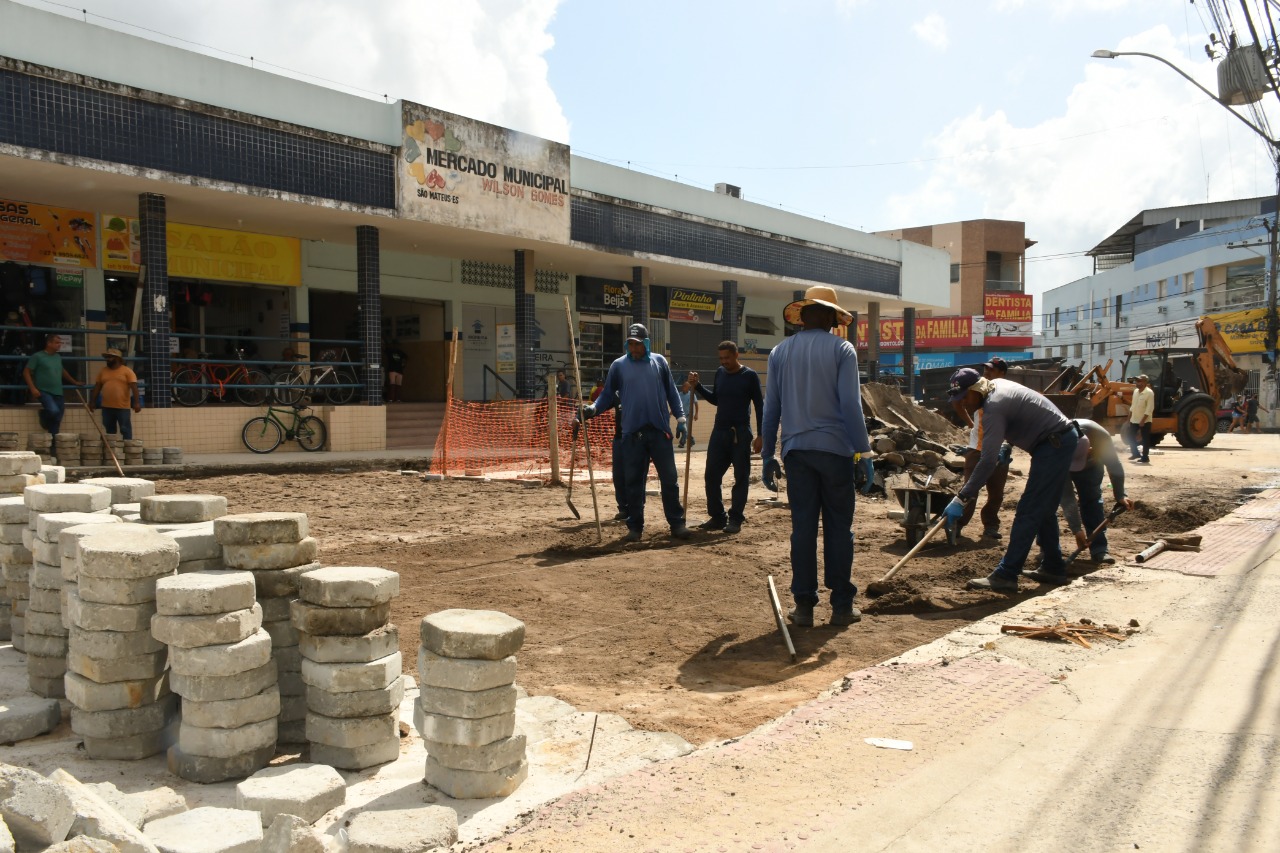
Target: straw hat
point(818, 295)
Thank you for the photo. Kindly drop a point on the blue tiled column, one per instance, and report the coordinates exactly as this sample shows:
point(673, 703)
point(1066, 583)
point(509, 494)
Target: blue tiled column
point(640, 299)
point(873, 341)
point(526, 332)
point(369, 304)
point(155, 299)
point(729, 292)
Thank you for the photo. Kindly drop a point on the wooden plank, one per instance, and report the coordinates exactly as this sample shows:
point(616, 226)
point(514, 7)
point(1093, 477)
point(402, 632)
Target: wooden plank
point(778, 617)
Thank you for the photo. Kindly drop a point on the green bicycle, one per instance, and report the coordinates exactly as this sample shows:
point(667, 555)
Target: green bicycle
point(264, 434)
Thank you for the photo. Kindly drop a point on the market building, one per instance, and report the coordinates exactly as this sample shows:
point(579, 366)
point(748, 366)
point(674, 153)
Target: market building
point(193, 210)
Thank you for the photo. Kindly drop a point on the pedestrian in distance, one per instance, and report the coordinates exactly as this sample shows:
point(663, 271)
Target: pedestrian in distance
point(814, 399)
point(1251, 407)
point(45, 375)
point(996, 368)
point(1238, 410)
point(686, 400)
point(733, 392)
point(117, 387)
point(640, 383)
point(1082, 503)
point(397, 360)
point(1029, 421)
point(1138, 429)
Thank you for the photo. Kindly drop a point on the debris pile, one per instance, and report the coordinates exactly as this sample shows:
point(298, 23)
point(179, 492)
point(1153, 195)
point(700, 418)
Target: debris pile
point(1070, 632)
point(903, 458)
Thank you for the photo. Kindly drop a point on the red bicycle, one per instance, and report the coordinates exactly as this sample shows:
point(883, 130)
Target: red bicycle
point(191, 384)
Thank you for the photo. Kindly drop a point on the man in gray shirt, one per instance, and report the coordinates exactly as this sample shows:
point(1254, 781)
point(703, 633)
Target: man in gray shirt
point(1027, 420)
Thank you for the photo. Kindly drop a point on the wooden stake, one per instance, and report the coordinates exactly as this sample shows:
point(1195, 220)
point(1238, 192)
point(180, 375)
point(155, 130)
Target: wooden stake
point(586, 433)
point(448, 400)
point(688, 447)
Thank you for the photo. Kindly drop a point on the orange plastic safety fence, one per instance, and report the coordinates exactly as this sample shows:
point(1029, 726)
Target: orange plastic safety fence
point(512, 438)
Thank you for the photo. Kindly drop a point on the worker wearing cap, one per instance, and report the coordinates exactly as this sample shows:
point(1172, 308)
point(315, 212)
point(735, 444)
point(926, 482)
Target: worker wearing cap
point(640, 383)
point(1141, 409)
point(1095, 453)
point(996, 368)
point(117, 386)
point(813, 394)
point(1029, 421)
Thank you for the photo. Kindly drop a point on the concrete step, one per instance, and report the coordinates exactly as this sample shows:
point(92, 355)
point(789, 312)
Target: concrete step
point(413, 425)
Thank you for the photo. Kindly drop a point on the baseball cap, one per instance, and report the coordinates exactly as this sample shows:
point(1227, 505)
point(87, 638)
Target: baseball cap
point(962, 381)
point(637, 332)
point(997, 363)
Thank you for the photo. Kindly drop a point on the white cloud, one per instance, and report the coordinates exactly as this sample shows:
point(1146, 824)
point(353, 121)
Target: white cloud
point(1132, 135)
point(484, 59)
point(1063, 8)
point(932, 30)
point(847, 7)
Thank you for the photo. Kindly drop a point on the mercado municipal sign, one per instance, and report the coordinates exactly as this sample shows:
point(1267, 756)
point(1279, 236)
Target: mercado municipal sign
point(468, 174)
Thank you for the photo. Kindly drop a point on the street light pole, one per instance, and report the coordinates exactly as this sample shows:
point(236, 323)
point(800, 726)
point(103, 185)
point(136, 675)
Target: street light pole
point(1273, 272)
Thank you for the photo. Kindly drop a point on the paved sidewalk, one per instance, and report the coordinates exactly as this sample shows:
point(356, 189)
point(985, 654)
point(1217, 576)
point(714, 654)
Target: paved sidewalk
point(1167, 741)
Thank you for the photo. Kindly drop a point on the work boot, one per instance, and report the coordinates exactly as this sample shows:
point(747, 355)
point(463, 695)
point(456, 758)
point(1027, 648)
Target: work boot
point(633, 535)
point(679, 531)
point(991, 533)
point(801, 615)
point(995, 582)
point(1049, 578)
point(846, 617)
point(734, 525)
point(1104, 559)
point(621, 515)
point(712, 524)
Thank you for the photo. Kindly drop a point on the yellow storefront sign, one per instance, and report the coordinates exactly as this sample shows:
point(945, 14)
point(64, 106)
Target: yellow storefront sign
point(1244, 331)
point(39, 234)
point(214, 254)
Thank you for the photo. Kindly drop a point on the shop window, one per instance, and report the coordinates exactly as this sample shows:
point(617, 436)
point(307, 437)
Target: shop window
point(955, 273)
point(759, 325)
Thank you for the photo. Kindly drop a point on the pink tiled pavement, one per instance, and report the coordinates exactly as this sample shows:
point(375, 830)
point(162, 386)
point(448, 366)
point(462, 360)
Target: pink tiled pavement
point(1228, 539)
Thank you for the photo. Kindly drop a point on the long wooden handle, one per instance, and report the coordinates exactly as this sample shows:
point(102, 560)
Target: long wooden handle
point(924, 540)
point(101, 432)
point(586, 434)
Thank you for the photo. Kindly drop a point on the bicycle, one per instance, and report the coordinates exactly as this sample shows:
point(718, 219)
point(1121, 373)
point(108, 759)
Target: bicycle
point(549, 369)
point(189, 383)
point(335, 385)
point(265, 433)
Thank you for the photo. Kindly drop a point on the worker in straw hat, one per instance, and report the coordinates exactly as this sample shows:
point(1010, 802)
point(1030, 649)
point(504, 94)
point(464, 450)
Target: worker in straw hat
point(117, 385)
point(1029, 421)
point(813, 394)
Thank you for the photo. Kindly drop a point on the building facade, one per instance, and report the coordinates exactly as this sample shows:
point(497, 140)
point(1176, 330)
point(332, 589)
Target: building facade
point(1157, 275)
point(179, 205)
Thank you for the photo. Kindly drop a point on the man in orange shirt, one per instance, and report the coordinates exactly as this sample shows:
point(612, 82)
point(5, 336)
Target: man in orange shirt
point(118, 387)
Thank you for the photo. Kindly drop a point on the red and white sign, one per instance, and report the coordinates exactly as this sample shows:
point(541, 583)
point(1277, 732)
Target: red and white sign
point(931, 332)
point(1008, 317)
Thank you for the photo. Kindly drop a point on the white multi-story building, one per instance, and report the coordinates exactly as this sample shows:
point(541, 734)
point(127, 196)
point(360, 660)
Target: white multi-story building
point(1160, 273)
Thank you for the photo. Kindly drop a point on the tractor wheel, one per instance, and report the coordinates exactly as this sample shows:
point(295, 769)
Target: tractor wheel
point(1196, 426)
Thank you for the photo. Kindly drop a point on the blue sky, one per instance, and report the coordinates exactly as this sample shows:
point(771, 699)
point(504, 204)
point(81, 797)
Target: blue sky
point(870, 113)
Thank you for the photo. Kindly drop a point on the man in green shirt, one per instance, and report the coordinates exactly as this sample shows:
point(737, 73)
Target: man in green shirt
point(45, 374)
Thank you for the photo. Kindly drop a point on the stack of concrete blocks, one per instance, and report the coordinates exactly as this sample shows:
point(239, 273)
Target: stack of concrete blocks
point(351, 664)
point(41, 443)
point(116, 680)
point(188, 519)
point(69, 537)
point(152, 456)
point(18, 469)
point(46, 635)
point(53, 474)
point(171, 455)
point(91, 451)
point(8, 442)
point(126, 491)
point(132, 452)
point(220, 664)
point(66, 447)
point(466, 709)
point(276, 548)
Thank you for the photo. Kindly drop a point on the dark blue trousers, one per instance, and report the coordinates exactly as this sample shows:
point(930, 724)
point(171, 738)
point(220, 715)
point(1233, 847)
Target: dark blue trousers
point(728, 447)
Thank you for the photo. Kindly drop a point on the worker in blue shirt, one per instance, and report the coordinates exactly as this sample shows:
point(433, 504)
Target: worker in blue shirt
point(813, 393)
point(640, 382)
point(733, 392)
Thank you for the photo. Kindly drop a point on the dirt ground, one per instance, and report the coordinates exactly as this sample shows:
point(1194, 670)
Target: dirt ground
point(681, 637)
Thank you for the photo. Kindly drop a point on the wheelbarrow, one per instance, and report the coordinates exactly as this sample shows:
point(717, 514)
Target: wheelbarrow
point(921, 499)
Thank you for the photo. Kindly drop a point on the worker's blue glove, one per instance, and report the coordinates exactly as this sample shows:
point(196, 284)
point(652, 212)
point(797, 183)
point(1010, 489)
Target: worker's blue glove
point(868, 471)
point(954, 511)
point(586, 413)
point(1006, 453)
point(772, 474)
point(682, 429)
